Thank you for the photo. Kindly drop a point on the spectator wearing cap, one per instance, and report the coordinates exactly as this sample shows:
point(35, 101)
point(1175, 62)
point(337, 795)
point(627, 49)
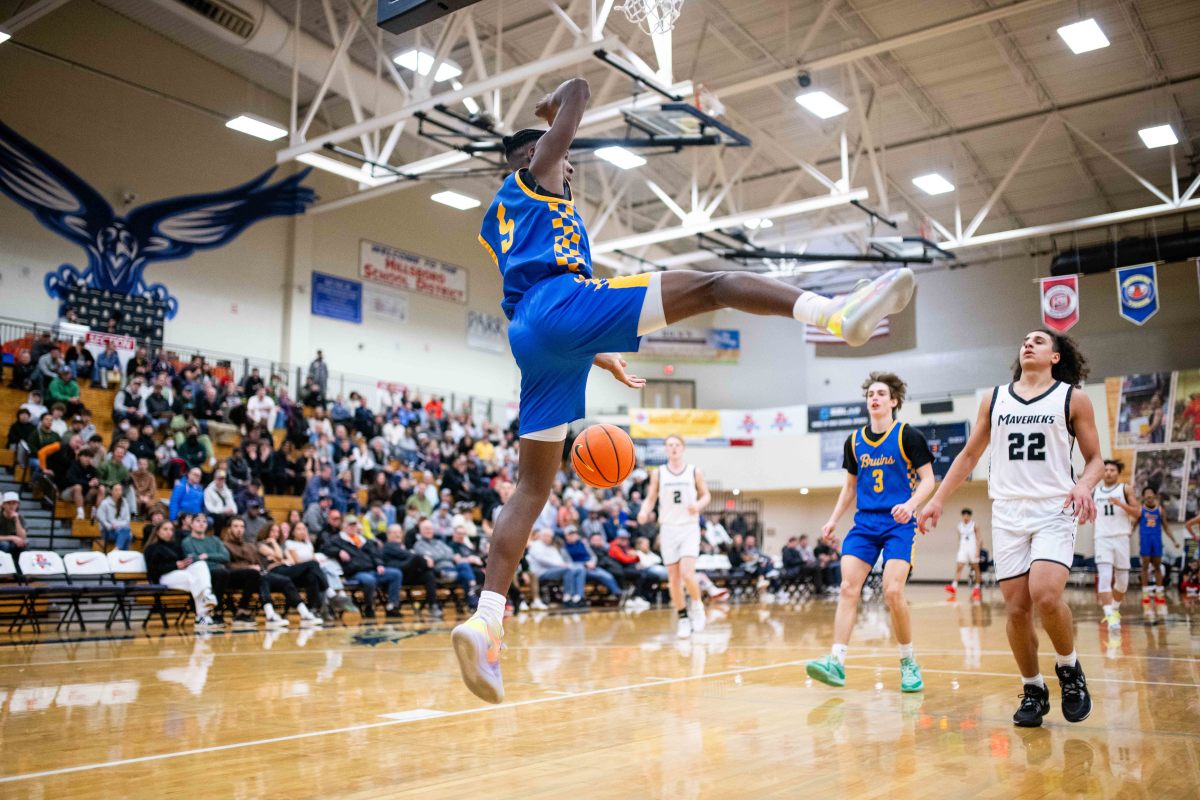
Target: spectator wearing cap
point(106, 372)
point(188, 495)
point(113, 517)
point(13, 536)
point(254, 518)
point(362, 562)
point(581, 553)
point(219, 503)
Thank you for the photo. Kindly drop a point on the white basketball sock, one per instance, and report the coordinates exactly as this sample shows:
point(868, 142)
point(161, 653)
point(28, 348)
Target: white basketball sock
point(491, 607)
point(1068, 660)
point(906, 650)
point(1036, 680)
point(839, 653)
point(811, 308)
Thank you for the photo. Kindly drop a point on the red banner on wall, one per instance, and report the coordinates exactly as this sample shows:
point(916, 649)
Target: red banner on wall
point(1060, 302)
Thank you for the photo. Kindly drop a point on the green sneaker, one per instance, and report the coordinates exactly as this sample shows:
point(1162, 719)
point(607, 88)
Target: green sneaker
point(910, 676)
point(826, 670)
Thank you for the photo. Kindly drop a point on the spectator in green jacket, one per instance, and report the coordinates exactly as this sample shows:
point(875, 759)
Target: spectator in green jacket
point(65, 389)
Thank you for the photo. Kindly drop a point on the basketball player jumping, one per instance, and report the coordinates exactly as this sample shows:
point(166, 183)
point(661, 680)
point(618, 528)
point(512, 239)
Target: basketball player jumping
point(969, 543)
point(1031, 426)
point(564, 322)
point(884, 461)
point(1115, 510)
point(681, 493)
point(1152, 524)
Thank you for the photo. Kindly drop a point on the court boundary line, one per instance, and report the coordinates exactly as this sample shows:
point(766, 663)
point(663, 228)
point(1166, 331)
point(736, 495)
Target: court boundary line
point(389, 723)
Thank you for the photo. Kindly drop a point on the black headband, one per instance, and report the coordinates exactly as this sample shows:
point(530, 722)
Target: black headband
point(520, 139)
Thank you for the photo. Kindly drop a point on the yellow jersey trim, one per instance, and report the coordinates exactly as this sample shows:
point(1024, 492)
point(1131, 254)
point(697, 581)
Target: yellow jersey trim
point(900, 442)
point(866, 429)
point(545, 198)
point(488, 247)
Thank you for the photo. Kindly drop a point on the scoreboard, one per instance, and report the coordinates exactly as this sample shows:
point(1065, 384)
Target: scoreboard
point(401, 16)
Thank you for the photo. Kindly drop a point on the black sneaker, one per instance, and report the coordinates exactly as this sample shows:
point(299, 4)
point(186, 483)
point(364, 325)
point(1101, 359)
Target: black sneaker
point(1035, 704)
point(1076, 702)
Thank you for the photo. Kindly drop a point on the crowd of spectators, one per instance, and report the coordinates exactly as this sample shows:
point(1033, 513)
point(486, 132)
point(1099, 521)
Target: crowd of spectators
point(395, 490)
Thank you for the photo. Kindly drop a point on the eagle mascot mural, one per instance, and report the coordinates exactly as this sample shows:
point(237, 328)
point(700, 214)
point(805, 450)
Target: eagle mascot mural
point(120, 247)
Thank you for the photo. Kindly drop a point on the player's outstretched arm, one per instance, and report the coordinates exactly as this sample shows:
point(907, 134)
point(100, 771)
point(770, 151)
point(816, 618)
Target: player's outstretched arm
point(1083, 422)
point(961, 469)
point(616, 365)
point(562, 109)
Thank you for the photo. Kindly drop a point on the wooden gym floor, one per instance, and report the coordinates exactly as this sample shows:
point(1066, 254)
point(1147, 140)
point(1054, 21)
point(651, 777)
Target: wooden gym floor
point(606, 705)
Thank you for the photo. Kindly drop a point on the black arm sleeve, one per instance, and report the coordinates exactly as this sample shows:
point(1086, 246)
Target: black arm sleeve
point(849, 462)
point(916, 448)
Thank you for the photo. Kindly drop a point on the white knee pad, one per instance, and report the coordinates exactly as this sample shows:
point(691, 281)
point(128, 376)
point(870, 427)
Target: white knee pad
point(1122, 581)
point(1104, 573)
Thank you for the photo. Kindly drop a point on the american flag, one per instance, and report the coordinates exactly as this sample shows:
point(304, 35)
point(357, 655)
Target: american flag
point(815, 335)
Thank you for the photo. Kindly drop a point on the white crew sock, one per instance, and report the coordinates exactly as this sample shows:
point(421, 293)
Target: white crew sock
point(303, 611)
point(954, 583)
point(269, 610)
point(1065, 661)
point(906, 650)
point(811, 308)
point(1108, 609)
point(839, 653)
point(491, 607)
point(1036, 680)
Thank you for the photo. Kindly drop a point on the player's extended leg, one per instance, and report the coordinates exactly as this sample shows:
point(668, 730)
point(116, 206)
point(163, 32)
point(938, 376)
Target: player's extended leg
point(477, 641)
point(694, 599)
point(1022, 638)
point(1047, 580)
point(832, 668)
point(686, 293)
point(895, 575)
point(678, 600)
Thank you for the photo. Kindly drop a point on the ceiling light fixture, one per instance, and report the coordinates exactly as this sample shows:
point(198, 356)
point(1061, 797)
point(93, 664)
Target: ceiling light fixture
point(620, 157)
point(1158, 136)
point(933, 183)
point(455, 200)
point(343, 169)
point(421, 61)
point(1084, 36)
point(821, 104)
point(257, 127)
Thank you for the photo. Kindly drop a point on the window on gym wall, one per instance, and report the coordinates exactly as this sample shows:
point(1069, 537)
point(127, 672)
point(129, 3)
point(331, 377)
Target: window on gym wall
point(669, 394)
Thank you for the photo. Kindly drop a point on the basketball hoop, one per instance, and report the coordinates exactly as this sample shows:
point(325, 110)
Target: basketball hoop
point(653, 16)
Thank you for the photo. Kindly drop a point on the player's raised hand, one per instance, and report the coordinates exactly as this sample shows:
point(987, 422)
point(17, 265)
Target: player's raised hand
point(616, 365)
point(1085, 506)
point(929, 517)
point(546, 108)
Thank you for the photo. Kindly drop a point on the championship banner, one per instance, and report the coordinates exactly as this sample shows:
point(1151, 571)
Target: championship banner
point(1060, 302)
point(1137, 292)
point(411, 272)
point(659, 423)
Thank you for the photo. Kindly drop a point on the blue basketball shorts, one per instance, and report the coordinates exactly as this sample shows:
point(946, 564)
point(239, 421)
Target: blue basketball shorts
point(559, 327)
point(876, 532)
point(1150, 546)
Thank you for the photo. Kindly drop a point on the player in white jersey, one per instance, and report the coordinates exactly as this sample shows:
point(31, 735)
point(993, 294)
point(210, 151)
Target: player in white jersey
point(969, 542)
point(681, 494)
point(1116, 509)
point(1031, 426)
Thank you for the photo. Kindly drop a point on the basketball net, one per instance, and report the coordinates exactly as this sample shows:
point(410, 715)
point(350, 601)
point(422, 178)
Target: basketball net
point(653, 16)
point(706, 101)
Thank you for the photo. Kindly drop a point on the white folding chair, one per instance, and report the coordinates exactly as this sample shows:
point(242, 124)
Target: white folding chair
point(89, 571)
point(46, 565)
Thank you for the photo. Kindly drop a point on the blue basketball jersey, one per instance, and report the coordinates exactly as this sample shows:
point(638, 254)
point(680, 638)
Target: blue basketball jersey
point(886, 477)
point(1150, 523)
point(533, 236)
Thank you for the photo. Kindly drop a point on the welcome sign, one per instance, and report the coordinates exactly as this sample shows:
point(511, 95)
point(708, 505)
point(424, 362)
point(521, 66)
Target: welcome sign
point(410, 272)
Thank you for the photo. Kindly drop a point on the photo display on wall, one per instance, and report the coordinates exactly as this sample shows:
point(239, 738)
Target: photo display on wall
point(1158, 419)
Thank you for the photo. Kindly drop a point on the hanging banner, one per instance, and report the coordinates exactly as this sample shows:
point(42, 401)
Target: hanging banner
point(1060, 302)
point(839, 417)
point(126, 346)
point(411, 272)
point(761, 422)
point(659, 423)
point(704, 346)
point(1137, 292)
point(337, 298)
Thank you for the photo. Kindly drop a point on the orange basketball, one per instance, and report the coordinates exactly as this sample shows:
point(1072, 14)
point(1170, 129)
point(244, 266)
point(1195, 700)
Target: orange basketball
point(602, 456)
